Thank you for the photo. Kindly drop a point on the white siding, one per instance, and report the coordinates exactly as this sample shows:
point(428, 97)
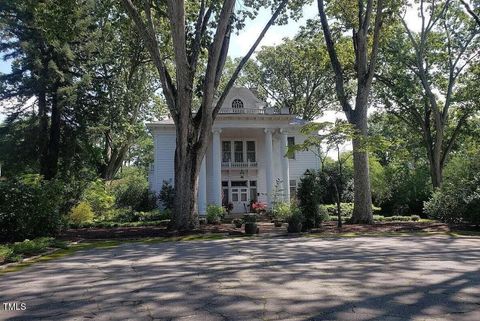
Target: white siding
point(303, 160)
point(164, 159)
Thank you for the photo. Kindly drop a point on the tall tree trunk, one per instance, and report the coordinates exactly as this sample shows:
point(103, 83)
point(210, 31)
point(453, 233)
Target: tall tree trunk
point(362, 209)
point(51, 165)
point(43, 129)
point(187, 167)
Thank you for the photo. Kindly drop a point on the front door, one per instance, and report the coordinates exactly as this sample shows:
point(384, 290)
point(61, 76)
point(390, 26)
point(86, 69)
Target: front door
point(239, 196)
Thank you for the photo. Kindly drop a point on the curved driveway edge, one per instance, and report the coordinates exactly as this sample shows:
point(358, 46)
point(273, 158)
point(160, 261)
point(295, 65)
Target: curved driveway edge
point(366, 278)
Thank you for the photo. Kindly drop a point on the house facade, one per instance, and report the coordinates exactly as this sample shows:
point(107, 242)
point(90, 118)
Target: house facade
point(245, 160)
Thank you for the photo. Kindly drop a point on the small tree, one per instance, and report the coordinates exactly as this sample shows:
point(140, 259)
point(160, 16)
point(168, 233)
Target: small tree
point(331, 136)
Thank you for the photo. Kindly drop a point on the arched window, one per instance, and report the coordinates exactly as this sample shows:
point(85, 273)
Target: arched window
point(237, 103)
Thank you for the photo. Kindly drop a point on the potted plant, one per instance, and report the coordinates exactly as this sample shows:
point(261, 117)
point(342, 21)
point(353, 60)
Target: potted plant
point(295, 220)
point(259, 207)
point(280, 212)
point(228, 207)
point(250, 224)
point(237, 222)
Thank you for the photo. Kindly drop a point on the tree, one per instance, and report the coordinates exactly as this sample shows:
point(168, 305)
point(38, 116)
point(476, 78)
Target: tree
point(194, 28)
point(428, 79)
point(124, 83)
point(321, 138)
point(46, 40)
point(471, 11)
point(295, 74)
point(363, 34)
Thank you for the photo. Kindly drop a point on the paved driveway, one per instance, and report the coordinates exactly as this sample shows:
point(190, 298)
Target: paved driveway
point(408, 278)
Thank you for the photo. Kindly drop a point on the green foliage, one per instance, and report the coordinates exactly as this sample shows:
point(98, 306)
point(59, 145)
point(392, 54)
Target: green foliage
point(458, 200)
point(16, 251)
point(167, 195)
point(131, 190)
point(215, 213)
point(81, 213)
point(29, 208)
point(295, 74)
point(100, 200)
point(323, 214)
point(281, 210)
point(309, 197)
point(295, 220)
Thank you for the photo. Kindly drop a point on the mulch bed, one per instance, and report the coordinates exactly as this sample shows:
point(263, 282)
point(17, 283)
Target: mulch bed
point(265, 228)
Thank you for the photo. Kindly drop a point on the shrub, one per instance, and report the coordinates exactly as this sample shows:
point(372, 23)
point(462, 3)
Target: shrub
point(15, 252)
point(323, 215)
point(309, 196)
point(214, 213)
point(100, 200)
point(295, 219)
point(281, 210)
point(131, 190)
point(29, 208)
point(81, 213)
point(415, 218)
point(167, 196)
point(155, 215)
point(378, 218)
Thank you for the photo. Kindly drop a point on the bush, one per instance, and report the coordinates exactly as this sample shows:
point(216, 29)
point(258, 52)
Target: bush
point(323, 215)
point(215, 214)
point(15, 252)
point(347, 209)
point(131, 190)
point(458, 200)
point(295, 220)
point(155, 215)
point(29, 208)
point(309, 196)
point(100, 200)
point(81, 213)
point(281, 210)
point(167, 196)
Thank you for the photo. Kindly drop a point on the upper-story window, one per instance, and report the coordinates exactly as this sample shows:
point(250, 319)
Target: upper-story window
point(290, 143)
point(237, 104)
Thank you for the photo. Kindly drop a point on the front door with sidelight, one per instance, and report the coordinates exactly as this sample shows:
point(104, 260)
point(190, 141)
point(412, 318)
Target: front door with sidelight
point(239, 196)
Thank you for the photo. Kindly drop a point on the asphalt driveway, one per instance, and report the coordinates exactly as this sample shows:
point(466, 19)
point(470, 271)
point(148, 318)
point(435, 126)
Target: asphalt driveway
point(365, 278)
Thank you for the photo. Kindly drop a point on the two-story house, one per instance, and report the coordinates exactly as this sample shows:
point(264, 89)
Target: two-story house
point(245, 159)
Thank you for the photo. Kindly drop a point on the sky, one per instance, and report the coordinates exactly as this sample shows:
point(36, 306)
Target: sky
point(242, 42)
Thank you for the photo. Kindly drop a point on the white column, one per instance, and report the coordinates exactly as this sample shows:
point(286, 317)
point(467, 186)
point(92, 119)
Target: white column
point(285, 165)
point(202, 188)
point(268, 164)
point(217, 167)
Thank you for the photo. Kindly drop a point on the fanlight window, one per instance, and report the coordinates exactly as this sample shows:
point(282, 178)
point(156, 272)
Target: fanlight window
point(237, 103)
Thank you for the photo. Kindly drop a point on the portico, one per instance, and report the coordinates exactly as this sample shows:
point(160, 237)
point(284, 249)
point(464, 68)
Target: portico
point(245, 160)
point(242, 170)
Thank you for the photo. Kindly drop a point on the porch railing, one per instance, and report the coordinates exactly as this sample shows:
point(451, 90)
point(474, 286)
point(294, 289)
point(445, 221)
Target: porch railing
point(255, 111)
point(239, 164)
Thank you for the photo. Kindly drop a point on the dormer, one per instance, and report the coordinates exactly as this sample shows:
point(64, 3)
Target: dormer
point(242, 100)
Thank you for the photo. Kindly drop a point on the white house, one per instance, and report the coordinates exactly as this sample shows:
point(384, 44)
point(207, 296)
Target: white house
point(245, 159)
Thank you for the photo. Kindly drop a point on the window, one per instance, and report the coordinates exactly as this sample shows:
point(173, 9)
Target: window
point(251, 151)
point(238, 145)
point(237, 104)
point(226, 152)
point(290, 143)
point(253, 191)
point(293, 189)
